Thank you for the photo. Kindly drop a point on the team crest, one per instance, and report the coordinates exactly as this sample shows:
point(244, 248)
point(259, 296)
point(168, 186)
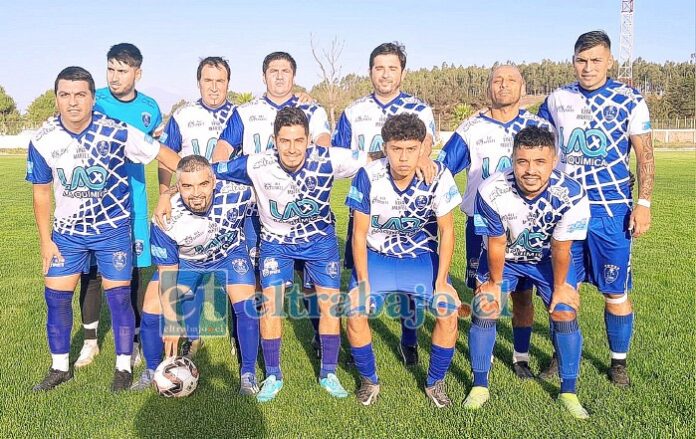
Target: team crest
point(232, 214)
point(270, 266)
point(138, 247)
point(311, 183)
point(611, 273)
point(147, 118)
point(610, 112)
point(103, 148)
point(240, 265)
point(421, 201)
point(119, 260)
point(332, 269)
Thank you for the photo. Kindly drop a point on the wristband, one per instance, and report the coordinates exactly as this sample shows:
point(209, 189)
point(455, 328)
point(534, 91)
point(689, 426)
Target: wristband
point(643, 202)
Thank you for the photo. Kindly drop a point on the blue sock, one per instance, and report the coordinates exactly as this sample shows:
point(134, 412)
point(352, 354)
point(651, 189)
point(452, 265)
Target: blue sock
point(271, 357)
point(521, 336)
point(311, 304)
point(60, 318)
point(247, 322)
point(122, 318)
point(329, 353)
point(440, 360)
point(410, 320)
point(481, 342)
point(151, 339)
point(568, 342)
point(191, 312)
point(364, 358)
point(619, 331)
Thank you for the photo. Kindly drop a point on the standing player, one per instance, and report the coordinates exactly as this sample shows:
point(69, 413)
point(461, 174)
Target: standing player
point(396, 223)
point(529, 216)
point(205, 235)
point(250, 131)
point(293, 189)
point(481, 146)
point(83, 155)
point(359, 128)
point(120, 100)
point(598, 121)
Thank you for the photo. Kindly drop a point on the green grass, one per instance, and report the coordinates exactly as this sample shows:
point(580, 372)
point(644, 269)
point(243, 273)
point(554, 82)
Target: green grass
point(660, 402)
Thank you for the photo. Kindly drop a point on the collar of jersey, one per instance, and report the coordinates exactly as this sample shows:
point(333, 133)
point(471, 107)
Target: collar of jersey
point(591, 93)
point(122, 101)
point(396, 188)
point(388, 104)
point(506, 124)
point(288, 103)
point(213, 110)
point(75, 135)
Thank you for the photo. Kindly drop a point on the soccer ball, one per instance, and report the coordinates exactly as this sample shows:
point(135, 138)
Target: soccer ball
point(176, 377)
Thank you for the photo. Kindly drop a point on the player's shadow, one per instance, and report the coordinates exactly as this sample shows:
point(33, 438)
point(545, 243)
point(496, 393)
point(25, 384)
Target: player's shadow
point(215, 409)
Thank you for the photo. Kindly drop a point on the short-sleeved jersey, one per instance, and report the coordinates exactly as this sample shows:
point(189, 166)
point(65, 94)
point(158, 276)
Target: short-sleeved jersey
point(203, 238)
point(195, 128)
point(142, 112)
point(360, 125)
point(593, 129)
point(403, 223)
point(294, 207)
point(88, 171)
point(250, 128)
point(482, 146)
point(561, 212)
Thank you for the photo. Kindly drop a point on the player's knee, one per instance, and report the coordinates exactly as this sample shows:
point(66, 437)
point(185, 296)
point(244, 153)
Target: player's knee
point(358, 323)
point(485, 306)
point(151, 303)
point(563, 313)
point(618, 304)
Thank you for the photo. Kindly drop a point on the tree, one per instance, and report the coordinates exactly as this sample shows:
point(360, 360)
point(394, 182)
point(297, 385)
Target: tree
point(7, 104)
point(328, 61)
point(461, 112)
point(680, 97)
point(10, 119)
point(42, 108)
point(240, 98)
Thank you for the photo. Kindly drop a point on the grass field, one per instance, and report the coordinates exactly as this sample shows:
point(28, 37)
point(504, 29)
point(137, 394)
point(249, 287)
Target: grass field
point(660, 403)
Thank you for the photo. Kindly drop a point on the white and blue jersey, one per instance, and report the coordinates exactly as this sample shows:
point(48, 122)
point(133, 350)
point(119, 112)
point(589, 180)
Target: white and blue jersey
point(403, 223)
point(560, 212)
point(593, 129)
point(482, 146)
point(250, 128)
point(295, 206)
point(144, 114)
point(360, 125)
point(195, 128)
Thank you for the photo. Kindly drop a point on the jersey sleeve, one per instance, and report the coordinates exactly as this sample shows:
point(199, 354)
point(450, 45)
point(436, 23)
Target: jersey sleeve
point(38, 171)
point(234, 132)
point(319, 124)
point(574, 222)
point(639, 122)
point(429, 120)
point(233, 170)
point(346, 162)
point(447, 196)
point(140, 147)
point(545, 113)
point(487, 221)
point(164, 249)
point(455, 155)
point(343, 133)
point(171, 138)
point(359, 193)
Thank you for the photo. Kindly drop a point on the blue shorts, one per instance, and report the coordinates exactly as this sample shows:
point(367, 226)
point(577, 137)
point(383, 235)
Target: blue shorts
point(235, 269)
point(112, 250)
point(388, 274)
point(539, 275)
point(252, 235)
point(320, 256)
point(604, 258)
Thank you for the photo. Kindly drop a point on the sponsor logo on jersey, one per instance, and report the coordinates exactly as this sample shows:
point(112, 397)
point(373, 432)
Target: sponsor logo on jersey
point(273, 186)
point(560, 192)
point(565, 109)
point(611, 273)
point(59, 153)
point(355, 194)
point(264, 162)
point(508, 217)
point(119, 260)
point(195, 123)
point(406, 225)
point(221, 167)
point(257, 118)
point(363, 118)
point(480, 221)
point(379, 199)
point(486, 141)
point(163, 137)
point(270, 267)
point(240, 265)
point(578, 226)
point(158, 252)
point(304, 208)
point(499, 192)
point(453, 192)
point(57, 263)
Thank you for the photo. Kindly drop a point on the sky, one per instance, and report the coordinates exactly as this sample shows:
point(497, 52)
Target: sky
point(40, 38)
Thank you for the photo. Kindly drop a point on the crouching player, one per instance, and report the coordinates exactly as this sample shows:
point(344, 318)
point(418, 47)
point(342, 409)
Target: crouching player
point(205, 235)
point(397, 219)
point(293, 193)
point(82, 156)
point(529, 217)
